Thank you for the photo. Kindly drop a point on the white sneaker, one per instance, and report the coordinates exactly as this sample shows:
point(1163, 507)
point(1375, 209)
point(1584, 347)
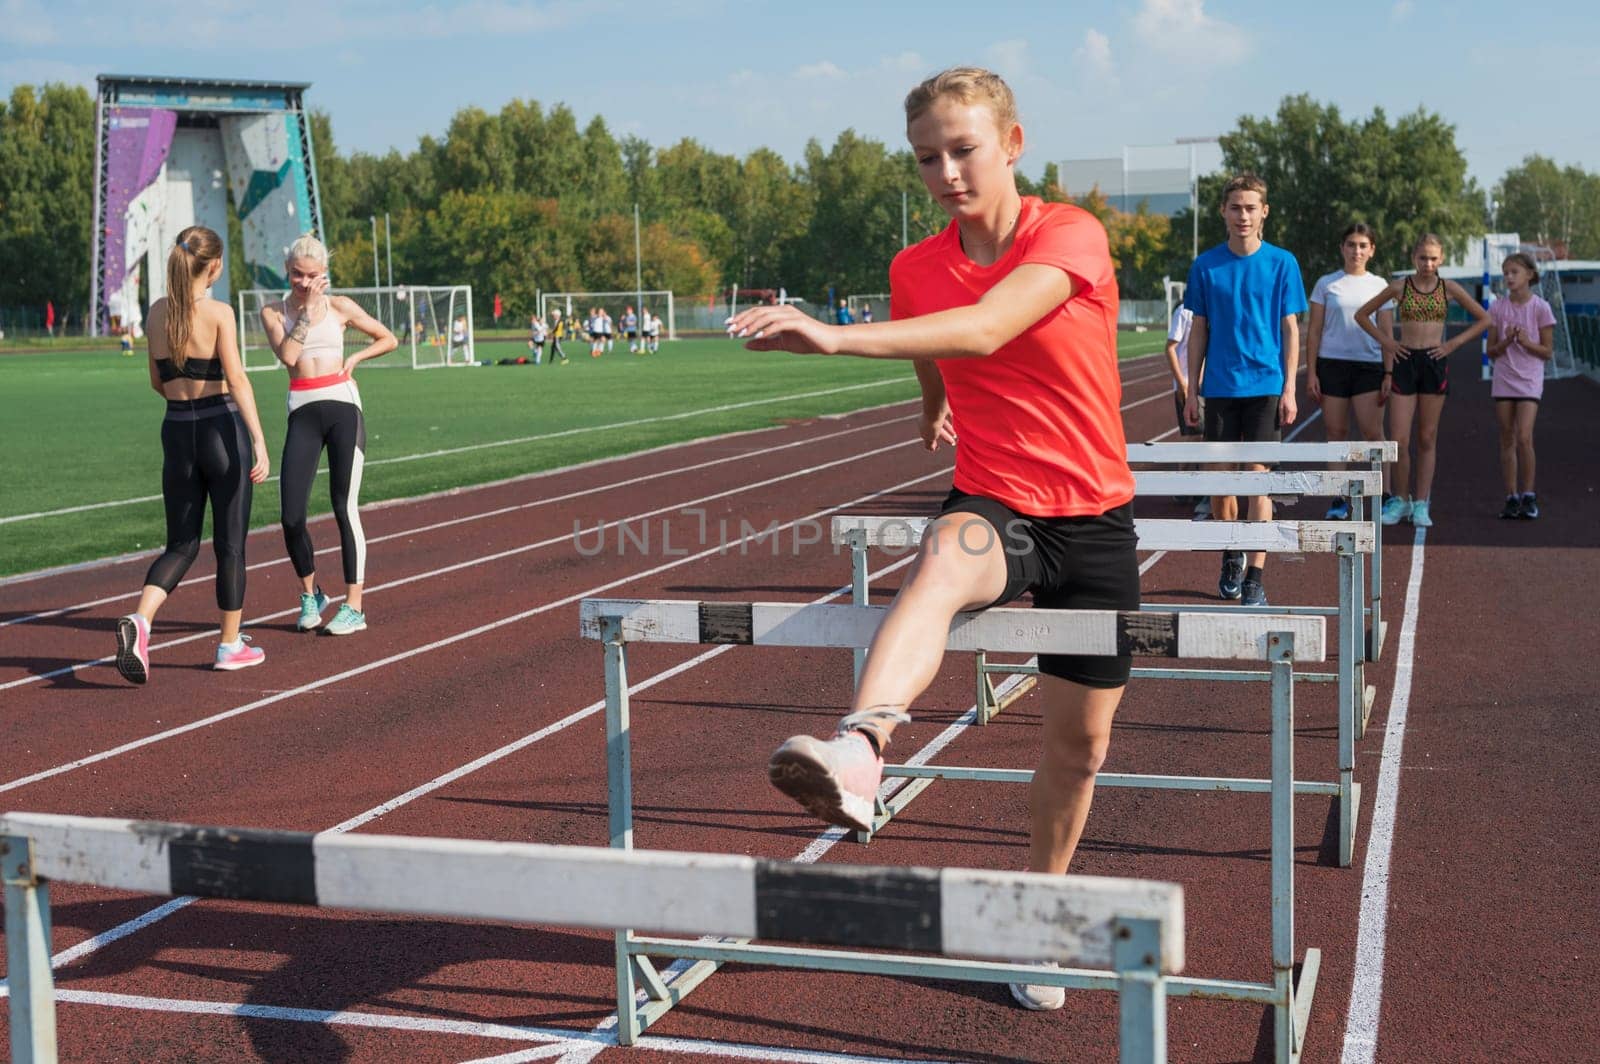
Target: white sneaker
point(1037, 998)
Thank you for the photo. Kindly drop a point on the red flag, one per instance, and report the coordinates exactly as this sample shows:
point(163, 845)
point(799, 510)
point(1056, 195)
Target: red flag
point(50, 314)
point(497, 306)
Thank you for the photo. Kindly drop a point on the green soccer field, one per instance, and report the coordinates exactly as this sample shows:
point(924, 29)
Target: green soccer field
point(82, 430)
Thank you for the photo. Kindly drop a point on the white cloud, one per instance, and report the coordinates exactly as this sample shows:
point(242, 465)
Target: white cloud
point(1009, 59)
point(1093, 56)
point(904, 63)
point(824, 70)
point(1182, 29)
point(1401, 11)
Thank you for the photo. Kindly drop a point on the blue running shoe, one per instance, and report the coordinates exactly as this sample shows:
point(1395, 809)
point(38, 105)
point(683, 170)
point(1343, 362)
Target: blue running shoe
point(1339, 511)
point(311, 607)
point(1395, 510)
point(1254, 594)
point(347, 621)
point(1228, 584)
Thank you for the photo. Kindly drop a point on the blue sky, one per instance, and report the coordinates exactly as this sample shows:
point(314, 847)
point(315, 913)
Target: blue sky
point(1090, 78)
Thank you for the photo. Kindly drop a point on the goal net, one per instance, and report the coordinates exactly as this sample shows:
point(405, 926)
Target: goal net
point(878, 304)
point(575, 308)
point(432, 322)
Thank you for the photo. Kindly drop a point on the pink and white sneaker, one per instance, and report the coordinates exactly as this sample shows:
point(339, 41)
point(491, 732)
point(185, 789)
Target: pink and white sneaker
point(133, 648)
point(836, 780)
point(240, 655)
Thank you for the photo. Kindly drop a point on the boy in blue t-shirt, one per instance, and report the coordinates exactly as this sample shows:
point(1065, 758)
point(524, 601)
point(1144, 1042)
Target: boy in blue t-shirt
point(1244, 351)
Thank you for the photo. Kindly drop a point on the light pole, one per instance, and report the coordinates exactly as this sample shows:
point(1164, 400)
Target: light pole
point(1194, 189)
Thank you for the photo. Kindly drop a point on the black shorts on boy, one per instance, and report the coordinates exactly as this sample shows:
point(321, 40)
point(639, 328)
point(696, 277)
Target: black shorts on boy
point(1069, 563)
point(1250, 419)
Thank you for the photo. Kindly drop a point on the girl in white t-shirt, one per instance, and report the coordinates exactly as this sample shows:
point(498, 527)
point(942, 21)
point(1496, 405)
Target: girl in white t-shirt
point(1521, 341)
point(1345, 368)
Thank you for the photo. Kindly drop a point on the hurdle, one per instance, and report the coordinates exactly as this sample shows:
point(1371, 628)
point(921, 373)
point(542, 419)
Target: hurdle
point(1278, 640)
point(1373, 455)
point(1131, 928)
point(1347, 539)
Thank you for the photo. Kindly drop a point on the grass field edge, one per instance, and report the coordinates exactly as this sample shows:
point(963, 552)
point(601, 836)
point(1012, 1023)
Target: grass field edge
point(459, 489)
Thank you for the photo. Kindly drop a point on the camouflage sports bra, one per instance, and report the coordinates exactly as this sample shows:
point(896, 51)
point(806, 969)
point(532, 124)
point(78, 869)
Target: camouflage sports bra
point(1417, 305)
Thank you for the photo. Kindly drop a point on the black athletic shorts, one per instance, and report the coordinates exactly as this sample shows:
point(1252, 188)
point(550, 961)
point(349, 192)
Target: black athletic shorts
point(1421, 374)
point(1250, 419)
point(1344, 378)
point(1069, 563)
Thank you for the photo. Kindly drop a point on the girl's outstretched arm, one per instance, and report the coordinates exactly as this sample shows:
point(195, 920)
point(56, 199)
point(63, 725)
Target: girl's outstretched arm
point(1027, 294)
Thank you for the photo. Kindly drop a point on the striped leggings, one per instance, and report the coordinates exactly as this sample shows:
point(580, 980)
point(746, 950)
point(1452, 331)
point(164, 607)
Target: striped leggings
point(340, 427)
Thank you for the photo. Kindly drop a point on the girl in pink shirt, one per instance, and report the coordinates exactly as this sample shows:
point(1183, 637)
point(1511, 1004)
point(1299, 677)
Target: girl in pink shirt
point(1521, 341)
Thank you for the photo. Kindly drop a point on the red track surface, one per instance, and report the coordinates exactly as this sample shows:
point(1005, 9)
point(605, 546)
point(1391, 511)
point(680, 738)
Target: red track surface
point(1493, 897)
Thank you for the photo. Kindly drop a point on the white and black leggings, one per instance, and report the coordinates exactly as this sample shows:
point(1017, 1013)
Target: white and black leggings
point(338, 425)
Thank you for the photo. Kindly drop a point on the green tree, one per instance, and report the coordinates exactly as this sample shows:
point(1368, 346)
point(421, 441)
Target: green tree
point(854, 229)
point(1323, 172)
point(46, 200)
point(1558, 207)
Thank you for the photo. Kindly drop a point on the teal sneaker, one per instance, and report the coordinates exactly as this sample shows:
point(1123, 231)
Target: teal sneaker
point(347, 621)
point(1395, 510)
point(311, 607)
point(1420, 518)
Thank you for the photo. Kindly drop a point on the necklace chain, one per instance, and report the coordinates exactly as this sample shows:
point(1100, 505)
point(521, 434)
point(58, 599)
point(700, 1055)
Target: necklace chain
point(1006, 231)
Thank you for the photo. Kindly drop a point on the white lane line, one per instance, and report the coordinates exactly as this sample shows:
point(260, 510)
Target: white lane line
point(1366, 991)
point(502, 443)
point(209, 634)
point(473, 633)
point(161, 912)
point(529, 439)
point(481, 560)
point(466, 489)
point(559, 1041)
point(482, 515)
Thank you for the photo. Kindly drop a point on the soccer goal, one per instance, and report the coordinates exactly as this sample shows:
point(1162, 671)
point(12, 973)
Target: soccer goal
point(432, 322)
point(575, 307)
point(878, 303)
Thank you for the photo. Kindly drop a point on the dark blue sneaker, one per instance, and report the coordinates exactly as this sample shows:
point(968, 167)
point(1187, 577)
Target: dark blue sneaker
point(1512, 508)
point(1339, 511)
point(1530, 506)
point(1254, 594)
point(1228, 584)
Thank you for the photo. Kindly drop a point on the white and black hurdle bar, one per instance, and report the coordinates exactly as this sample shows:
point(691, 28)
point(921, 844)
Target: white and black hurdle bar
point(1156, 534)
point(1131, 928)
point(1349, 540)
point(1353, 452)
point(1278, 640)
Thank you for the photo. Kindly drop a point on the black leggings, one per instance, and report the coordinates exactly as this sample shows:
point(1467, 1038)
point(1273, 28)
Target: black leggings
point(207, 455)
point(340, 427)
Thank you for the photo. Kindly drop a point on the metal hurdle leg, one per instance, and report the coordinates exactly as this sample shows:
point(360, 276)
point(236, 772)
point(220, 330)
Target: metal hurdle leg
point(1141, 993)
point(32, 987)
point(635, 971)
point(989, 700)
point(1350, 694)
point(1292, 1005)
point(858, 589)
point(1379, 630)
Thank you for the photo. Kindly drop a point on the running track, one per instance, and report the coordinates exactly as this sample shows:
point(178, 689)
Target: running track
point(471, 708)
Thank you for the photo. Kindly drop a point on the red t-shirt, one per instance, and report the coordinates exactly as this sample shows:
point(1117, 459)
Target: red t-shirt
point(1038, 420)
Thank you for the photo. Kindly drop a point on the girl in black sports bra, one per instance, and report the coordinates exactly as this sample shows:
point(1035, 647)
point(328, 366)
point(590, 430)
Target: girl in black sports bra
point(212, 446)
point(1421, 374)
